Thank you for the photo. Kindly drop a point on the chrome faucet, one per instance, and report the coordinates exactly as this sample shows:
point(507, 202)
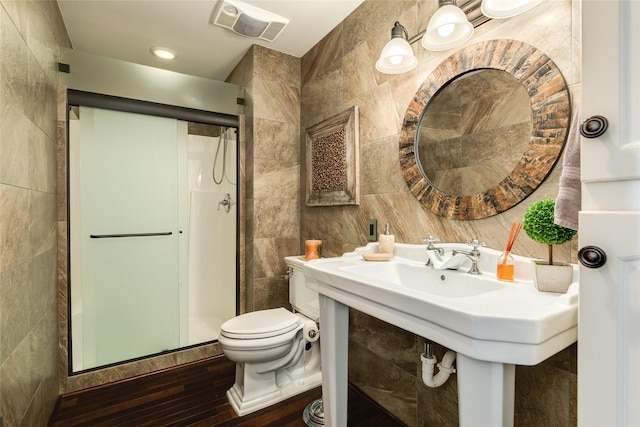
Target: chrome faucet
point(227, 202)
point(430, 247)
point(473, 255)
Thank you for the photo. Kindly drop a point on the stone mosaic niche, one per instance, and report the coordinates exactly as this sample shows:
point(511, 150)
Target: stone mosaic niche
point(332, 161)
point(551, 115)
point(329, 162)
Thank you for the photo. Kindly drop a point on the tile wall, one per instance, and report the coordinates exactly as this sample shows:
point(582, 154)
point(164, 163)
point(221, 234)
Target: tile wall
point(30, 34)
point(270, 161)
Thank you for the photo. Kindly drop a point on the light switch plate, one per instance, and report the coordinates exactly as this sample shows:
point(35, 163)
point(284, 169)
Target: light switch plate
point(372, 230)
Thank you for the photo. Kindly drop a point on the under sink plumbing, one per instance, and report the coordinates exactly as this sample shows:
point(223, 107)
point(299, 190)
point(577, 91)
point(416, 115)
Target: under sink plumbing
point(429, 361)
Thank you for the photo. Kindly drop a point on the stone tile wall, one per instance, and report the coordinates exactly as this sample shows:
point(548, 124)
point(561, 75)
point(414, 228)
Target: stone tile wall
point(271, 164)
point(30, 35)
point(339, 73)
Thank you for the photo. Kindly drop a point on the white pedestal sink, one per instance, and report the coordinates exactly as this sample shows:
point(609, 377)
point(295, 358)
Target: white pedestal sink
point(492, 325)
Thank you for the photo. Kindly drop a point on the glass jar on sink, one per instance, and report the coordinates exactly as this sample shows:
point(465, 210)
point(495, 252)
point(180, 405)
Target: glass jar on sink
point(505, 269)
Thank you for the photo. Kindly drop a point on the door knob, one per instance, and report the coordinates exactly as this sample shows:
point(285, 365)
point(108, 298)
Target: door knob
point(592, 257)
point(594, 127)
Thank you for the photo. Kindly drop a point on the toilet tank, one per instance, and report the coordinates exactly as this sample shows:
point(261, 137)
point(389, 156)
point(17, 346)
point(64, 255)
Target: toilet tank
point(302, 299)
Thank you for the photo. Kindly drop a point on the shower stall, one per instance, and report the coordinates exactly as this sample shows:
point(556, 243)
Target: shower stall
point(152, 234)
point(212, 214)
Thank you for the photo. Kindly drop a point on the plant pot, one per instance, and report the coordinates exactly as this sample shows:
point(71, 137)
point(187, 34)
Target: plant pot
point(552, 278)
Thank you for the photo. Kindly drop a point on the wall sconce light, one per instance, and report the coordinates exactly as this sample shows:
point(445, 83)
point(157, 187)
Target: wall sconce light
point(447, 28)
point(397, 56)
point(499, 9)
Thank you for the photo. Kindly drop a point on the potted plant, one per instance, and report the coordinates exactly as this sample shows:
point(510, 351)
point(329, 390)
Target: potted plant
point(538, 224)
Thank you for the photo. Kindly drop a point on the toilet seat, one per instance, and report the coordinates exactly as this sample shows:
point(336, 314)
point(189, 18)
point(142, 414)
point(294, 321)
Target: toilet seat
point(260, 324)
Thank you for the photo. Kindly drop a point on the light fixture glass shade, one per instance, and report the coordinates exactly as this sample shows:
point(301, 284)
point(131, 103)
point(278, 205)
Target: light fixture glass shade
point(498, 9)
point(396, 57)
point(447, 28)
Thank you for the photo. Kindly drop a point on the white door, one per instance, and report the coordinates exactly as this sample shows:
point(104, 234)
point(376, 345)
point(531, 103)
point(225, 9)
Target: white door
point(609, 326)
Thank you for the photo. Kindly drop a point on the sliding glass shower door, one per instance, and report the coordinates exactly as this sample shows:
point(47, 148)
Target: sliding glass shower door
point(125, 236)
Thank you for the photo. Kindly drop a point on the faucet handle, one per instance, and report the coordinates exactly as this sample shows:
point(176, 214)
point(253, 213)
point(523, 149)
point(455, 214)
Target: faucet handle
point(476, 244)
point(431, 240)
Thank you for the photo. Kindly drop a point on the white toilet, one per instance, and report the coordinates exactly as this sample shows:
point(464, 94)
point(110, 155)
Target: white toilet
point(277, 352)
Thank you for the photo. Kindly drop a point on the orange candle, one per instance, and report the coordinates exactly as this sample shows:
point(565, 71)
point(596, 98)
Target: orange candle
point(312, 249)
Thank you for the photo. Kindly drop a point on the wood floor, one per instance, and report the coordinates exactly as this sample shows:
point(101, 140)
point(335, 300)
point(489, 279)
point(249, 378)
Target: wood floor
point(194, 395)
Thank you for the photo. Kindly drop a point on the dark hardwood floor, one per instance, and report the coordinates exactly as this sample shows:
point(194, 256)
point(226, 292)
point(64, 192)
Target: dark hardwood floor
point(194, 395)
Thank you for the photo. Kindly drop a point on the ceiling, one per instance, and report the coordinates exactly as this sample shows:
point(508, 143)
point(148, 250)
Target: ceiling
point(127, 29)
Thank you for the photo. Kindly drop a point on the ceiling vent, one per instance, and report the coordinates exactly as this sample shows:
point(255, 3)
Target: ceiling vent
point(248, 20)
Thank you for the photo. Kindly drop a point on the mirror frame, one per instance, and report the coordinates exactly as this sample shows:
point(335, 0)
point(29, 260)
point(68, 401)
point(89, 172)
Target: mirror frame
point(551, 114)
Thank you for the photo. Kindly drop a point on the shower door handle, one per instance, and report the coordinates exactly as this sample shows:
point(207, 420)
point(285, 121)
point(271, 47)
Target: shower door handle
point(112, 236)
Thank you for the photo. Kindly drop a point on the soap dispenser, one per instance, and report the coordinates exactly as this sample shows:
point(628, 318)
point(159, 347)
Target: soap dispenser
point(386, 241)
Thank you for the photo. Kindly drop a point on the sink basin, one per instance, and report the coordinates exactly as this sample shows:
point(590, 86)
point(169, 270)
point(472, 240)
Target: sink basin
point(423, 279)
point(476, 315)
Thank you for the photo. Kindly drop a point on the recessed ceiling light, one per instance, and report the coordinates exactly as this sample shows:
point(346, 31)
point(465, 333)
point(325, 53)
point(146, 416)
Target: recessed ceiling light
point(163, 52)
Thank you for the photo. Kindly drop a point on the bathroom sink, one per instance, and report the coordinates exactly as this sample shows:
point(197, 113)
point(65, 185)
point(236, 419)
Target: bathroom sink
point(476, 315)
point(490, 325)
point(420, 278)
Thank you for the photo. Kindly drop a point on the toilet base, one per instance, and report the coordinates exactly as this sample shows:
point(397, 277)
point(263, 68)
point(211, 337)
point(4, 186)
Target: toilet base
point(247, 406)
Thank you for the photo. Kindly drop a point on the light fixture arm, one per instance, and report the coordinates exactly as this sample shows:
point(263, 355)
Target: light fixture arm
point(417, 37)
point(399, 30)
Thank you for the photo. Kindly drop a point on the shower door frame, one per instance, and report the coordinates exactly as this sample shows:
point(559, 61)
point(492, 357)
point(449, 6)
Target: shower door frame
point(108, 102)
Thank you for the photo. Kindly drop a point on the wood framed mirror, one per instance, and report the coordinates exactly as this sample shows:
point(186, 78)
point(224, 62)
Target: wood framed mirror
point(535, 144)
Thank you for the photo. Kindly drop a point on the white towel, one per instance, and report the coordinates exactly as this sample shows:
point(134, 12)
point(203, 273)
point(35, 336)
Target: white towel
point(569, 196)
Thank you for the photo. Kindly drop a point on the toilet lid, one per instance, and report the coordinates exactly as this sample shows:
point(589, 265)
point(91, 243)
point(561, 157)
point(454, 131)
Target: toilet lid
point(260, 324)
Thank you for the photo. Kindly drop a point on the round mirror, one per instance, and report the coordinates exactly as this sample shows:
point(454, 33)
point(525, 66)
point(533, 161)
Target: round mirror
point(484, 130)
point(473, 132)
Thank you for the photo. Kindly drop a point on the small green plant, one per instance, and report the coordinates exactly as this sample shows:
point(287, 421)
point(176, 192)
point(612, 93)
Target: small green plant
point(539, 225)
